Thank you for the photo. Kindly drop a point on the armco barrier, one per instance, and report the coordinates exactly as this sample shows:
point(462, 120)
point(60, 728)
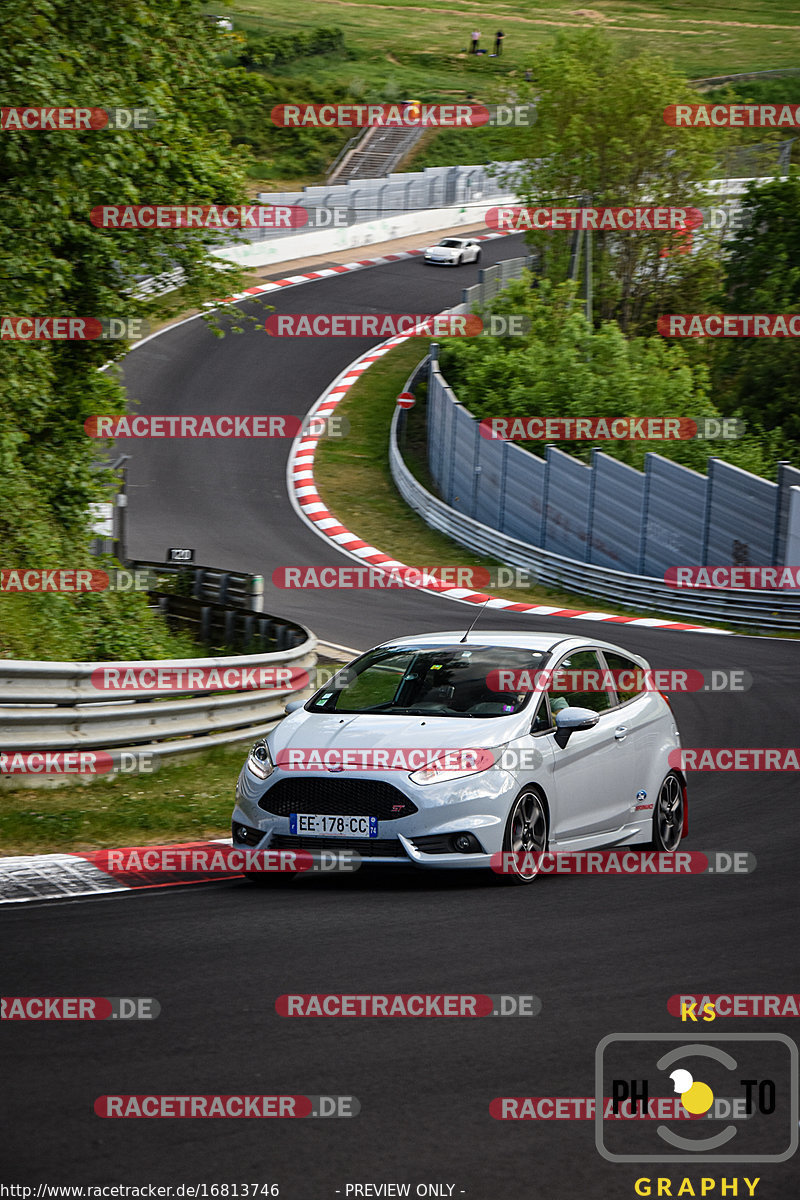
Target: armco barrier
point(751, 609)
point(49, 706)
point(211, 584)
point(55, 706)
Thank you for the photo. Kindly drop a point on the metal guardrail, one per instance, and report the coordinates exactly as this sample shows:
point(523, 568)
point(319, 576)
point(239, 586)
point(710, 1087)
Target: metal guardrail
point(229, 626)
point(222, 609)
point(750, 609)
point(492, 280)
point(212, 584)
point(55, 706)
point(398, 193)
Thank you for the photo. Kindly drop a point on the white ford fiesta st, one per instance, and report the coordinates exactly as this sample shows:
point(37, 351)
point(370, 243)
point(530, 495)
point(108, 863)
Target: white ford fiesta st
point(449, 751)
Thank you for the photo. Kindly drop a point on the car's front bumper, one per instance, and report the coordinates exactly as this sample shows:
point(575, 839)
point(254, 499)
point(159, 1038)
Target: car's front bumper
point(476, 805)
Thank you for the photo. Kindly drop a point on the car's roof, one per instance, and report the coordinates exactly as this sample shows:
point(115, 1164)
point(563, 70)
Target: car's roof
point(522, 639)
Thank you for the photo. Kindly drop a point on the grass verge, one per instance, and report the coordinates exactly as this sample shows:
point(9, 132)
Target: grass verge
point(185, 801)
point(410, 48)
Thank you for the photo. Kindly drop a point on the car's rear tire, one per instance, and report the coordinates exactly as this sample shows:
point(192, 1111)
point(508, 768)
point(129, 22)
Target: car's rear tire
point(668, 814)
point(525, 833)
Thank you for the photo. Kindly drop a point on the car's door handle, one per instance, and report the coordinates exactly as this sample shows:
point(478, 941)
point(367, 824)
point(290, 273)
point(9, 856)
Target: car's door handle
point(620, 733)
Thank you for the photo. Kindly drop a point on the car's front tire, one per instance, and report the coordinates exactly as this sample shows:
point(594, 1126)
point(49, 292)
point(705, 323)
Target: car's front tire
point(525, 834)
point(477, 258)
point(668, 814)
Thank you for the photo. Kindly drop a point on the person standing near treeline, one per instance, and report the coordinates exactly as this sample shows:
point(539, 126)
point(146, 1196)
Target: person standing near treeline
point(476, 37)
point(498, 42)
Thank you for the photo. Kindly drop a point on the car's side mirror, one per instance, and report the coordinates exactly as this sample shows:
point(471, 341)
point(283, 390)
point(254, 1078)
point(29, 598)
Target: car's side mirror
point(572, 720)
point(293, 706)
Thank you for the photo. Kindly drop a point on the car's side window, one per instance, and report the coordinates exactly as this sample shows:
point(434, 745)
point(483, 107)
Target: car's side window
point(577, 683)
point(629, 677)
point(542, 721)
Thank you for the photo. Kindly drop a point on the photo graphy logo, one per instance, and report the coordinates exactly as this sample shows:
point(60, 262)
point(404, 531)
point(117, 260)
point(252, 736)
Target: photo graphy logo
point(741, 1089)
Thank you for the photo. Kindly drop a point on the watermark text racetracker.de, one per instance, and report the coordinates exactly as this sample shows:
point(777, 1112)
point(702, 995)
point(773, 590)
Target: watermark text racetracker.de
point(729, 325)
point(79, 1008)
point(736, 758)
point(610, 428)
point(624, 862)
point(161, 1106)
point(747, 116)
point(74, 580)
point(406, 115)
point(397, 1004)
point(220, 859)
point(623, 220)
point(385, 325)
point(75, 120)
point(72, 329)
point(220, 425)
point(678, 221)
point(217, 216)
point(153, 678)
point(566, 681)
point(758, 578)
point(63, 763)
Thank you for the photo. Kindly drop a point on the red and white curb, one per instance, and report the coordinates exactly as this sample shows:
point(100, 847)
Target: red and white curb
point(311, 508)
point(276, 285)
point(28, 877)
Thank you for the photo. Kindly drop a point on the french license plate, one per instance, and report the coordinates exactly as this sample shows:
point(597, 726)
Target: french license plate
point(328, 826)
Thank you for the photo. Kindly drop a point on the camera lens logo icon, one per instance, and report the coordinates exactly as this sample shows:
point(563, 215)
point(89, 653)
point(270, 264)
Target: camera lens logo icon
point(734, 1097)
point(696, 1098)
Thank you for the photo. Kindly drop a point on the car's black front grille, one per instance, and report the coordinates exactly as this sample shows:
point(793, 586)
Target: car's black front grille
point(366, 847)
point(337, 798)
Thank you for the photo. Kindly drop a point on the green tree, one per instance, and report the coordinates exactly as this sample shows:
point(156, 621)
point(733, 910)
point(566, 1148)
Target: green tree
point(75, 53)
point(564, 368)
point(600, 133)
point(759, 378)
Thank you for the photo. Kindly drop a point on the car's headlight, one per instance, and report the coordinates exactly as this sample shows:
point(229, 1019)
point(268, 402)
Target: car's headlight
point(473, 762)
point(259, 760)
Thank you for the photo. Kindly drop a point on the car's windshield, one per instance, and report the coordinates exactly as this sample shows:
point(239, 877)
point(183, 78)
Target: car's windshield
point(442, 681)
point(451, 242)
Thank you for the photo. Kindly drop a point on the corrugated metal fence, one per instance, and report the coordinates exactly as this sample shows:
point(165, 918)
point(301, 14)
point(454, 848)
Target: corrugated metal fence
point(606, 512)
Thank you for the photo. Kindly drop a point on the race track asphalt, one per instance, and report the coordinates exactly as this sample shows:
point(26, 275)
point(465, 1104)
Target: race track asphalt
point(602, 953)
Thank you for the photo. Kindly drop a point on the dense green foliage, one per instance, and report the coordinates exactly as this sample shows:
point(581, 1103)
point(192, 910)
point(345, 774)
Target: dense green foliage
point(66, 53)
point(279, 153)
point(264, 51)
point(565, 368)
point(759, 378)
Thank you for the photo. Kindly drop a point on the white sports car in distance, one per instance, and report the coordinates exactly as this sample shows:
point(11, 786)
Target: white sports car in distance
point(455, 751)
point(452, 252)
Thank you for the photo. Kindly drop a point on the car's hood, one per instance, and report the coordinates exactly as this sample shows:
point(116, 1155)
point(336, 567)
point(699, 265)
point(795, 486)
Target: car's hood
point(450, 250)
point(318, 731)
